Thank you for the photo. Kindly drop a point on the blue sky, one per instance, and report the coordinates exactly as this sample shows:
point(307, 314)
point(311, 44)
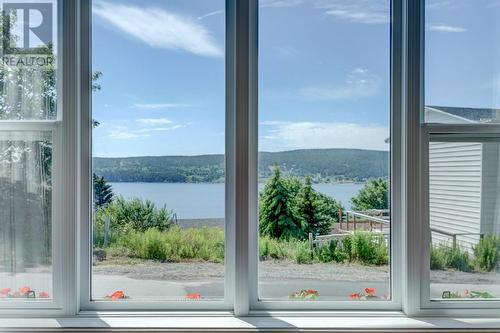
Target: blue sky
point(324, 72)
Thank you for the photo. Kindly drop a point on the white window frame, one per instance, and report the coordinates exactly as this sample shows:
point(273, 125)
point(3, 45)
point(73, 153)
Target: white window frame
point(241, 265)
point(418, 135)
point(86, 303)
point(61, 127)
point(445, 306)
point(72, 171)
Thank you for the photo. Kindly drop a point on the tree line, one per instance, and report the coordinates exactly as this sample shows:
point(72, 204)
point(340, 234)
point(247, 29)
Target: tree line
point(321, 165)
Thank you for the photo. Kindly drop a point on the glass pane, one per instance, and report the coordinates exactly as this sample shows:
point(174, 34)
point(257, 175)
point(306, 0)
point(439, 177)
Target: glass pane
point(158, 150)
point(461, 61)
point(28, 71)
point(464, 183)
point(25, 215)
point(324, 151)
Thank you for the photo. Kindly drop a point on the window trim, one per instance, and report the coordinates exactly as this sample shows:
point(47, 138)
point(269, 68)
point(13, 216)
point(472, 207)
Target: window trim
point(409, 144)
point(57, 304)
point(446, 306)
point(258, 305)
point(85, 302)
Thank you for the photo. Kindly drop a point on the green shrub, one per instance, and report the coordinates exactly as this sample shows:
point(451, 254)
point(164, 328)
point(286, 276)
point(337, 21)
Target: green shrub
point(302, 253)
point(458, 259)
point(293, 249)
point(330, 252)
point(176, 244)
point(373, 195)
point(366, 247)
point(445, 256)
point(129, 215)
point(273, 248)
point(487, 253)
point(347, 247)
point(438, 258)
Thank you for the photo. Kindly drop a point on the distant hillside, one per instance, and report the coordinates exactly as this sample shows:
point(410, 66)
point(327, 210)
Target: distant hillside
point(324, 165)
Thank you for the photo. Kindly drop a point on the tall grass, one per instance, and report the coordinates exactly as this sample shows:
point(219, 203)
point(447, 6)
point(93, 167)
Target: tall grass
point(487, 253)
point(294, 250)
point(207, 244)
point(362, 247)
point(176, 244)
point(445, 256)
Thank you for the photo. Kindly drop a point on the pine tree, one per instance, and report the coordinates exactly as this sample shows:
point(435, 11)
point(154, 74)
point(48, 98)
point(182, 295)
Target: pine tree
point(316, 210)
point(103, 193)
point(276, 214)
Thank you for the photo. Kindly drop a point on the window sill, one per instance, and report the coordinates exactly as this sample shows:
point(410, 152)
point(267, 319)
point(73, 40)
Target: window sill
point(116, 323)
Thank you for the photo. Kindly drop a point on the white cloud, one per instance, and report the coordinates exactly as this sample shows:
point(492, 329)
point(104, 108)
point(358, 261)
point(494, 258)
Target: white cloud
point(154, 121)
point(123, 135)
point(359, 83)
point(360, 11)
point(159, 106)
point(159, 28)
point(446, 28)
point(304, 135)
point(126, 133)
point(160, 129)
point(216, 12)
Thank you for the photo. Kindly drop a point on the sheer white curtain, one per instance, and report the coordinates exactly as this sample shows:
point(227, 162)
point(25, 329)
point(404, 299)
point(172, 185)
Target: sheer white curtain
point(26, 93)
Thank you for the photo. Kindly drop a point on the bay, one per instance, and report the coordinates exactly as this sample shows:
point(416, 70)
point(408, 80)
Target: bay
point(206, 200)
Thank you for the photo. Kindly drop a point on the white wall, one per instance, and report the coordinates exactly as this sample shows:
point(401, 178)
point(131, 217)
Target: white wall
point(455, 184)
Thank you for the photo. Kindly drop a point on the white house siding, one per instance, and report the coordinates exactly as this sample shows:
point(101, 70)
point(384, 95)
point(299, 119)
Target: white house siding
point(455, 190)
point(491, 186)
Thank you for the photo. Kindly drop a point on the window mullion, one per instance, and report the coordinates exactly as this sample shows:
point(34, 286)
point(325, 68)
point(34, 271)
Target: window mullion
point(396, 148)
point(85, 200)
point(243, 156)
point(412, 114)
point(69, 153)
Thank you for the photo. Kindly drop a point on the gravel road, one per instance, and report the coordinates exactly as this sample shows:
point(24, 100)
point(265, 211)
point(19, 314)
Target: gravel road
point(278, 270)
point(268, 270)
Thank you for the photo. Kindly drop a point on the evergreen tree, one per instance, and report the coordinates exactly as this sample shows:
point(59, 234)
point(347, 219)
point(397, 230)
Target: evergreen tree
point(306, 208)
point(103, 193)
point(374, 195)
point(317, 211)
point(276, 214)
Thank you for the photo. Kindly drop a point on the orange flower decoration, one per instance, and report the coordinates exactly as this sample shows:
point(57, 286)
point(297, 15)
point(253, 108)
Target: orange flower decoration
point(370, 291)
point(43, 294)
point(117, 295)
point(24, 290)
point(355, 296)
point(193, 296)
point(5, 291)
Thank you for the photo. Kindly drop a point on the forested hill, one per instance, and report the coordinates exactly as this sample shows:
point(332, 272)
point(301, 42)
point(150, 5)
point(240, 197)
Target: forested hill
point(324, 165)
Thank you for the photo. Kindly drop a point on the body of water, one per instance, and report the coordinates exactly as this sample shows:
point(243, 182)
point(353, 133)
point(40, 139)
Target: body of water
point(196, 201)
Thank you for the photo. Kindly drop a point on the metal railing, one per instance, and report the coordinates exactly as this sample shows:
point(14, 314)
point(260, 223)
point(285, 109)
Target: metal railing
point(364, 217)
point(453, 235)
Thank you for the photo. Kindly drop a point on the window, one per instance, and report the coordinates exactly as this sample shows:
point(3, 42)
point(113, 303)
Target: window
point(461, 154)
point(29, 149)
point(249, 156)
point(463, 207)
point(158, 151)
point(324, 152)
